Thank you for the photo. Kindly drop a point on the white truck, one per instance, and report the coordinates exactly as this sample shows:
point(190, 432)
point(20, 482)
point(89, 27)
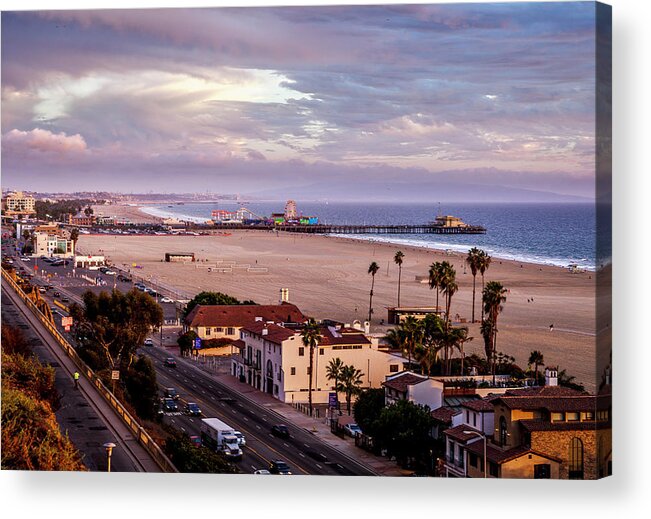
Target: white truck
point(219, 436)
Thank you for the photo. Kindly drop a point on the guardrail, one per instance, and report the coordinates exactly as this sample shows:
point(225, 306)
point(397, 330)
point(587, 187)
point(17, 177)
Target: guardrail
point(138, 431)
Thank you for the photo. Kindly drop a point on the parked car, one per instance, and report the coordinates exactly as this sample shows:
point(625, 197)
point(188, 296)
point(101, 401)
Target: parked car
point(170, 392)
point(170, 405)
point(149, 341)
point(166, 300)
point(262, 471)
point(192, 409)
point(352, 429)
point(170, 362)
point(280, 430)
point(122, 277)
point(279, 467)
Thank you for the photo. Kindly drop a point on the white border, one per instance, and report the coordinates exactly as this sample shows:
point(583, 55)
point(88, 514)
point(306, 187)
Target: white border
point(190, 496)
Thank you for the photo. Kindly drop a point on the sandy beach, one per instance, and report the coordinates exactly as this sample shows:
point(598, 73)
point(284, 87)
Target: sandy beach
point(327, 278)
point(132, 212)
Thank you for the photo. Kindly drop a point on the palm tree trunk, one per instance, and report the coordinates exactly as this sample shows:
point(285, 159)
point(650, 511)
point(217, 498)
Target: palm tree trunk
point(437, 299)
point(494, 345)
point(474, 278)
point(370, 301)
point(399, 277)
point(309, 395)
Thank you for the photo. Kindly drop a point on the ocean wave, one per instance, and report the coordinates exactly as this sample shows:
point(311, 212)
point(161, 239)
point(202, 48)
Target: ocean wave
point(159, 212)
point(582, 263)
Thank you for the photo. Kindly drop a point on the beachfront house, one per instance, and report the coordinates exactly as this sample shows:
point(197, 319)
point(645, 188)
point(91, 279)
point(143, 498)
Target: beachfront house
point(226, 321)
point(273, 359)
point(548, 432)
point(418, 389)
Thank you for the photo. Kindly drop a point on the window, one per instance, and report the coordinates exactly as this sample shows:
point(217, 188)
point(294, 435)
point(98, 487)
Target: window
point(473, 459)
point(576, 459)
point(301, 351)
point(292, 371)
point(321, 351)
point(572, 417)
point(558, 417)
point(208, 331)
point(467, 416)
point(492, 469)
point(393, 368)
point(503, 432)
point(219, 330)
point(542, 471)
point(307, 370)
point(602, 416)
point(589, 415)
point(474, 419)
point(230, 331)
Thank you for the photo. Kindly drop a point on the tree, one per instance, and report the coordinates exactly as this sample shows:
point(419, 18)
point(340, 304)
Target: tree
point(88, 211)
point(398, 258)
point(372, 270)
point(403, 429)
point(367, 409)
point(186, 342)
point(188, 458)
point(536, 358)
point(456, 337)
point(473, 260)
point(448, 286)
point(432, 341)
point(311, 336)
point(435, 278)
point(494, 297)
point(74, 236)
point(115, 325)
point(484, 263)
point(406, 336)
point(141, 387)
point(213, 298)
point(566, 380)
point(350, 385)
point(333, 372)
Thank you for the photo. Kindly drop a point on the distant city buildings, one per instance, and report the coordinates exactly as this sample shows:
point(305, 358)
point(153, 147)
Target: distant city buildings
point(18, 204)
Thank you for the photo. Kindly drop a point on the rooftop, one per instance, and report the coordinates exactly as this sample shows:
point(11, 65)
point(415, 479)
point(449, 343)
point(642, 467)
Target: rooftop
point(403, 381)
point(275, 333)
point(243, 315)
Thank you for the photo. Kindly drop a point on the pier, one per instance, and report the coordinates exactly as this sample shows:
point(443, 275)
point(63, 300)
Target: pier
point(432, 228)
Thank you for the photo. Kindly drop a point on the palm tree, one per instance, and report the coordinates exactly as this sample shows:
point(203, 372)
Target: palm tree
point(333, 372)
point(74, 236)
point(435, 276)
point(432, 341)
point(351, 381)
point(449, 287)
point(88, 211)
point(473, 260)
point(536, 358)
point(413, 331)
point(372, 270)
point(494, 297)
point(456, 338)
point(398, 261)
point(484, 263)
point(311, 336)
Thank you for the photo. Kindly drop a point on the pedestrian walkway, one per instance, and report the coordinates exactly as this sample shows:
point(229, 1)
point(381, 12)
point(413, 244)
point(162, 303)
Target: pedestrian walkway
point(318, 427)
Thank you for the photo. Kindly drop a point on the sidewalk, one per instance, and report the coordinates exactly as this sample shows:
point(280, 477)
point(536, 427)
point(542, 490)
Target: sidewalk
point(316, 426)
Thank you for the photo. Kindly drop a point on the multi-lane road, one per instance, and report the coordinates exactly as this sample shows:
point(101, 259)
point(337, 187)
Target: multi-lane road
point(305, 453)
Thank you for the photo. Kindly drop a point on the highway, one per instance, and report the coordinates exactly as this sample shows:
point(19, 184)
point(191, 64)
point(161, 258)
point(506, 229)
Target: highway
point(304, 453)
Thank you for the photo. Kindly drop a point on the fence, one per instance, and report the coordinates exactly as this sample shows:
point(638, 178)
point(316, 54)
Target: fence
point(141, 435)
point(305, 409)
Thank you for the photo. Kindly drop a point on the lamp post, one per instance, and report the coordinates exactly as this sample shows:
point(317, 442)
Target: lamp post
point(109, 450)
point(482, 436)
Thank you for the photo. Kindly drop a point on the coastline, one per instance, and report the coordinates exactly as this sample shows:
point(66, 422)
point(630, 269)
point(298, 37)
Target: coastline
point(327, 278)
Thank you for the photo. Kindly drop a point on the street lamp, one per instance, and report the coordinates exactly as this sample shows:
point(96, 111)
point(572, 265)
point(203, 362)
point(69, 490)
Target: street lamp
point(109, 449)
point(483, 436)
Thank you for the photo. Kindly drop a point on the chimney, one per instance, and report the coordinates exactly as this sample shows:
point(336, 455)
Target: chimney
point(367, 327)
point(284, 295)
point(551, 376)
point(258, 319)
point(265, 330)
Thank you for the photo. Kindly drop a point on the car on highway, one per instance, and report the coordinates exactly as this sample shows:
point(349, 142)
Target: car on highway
point(166, 300)
point(241, 439)
point(170, 392)
point(192, 409)
point(262, 471)
point(352, 429)
point(280, 430)
point(195, 440)
point(122, 277)
point(25, 258)
point(149, 341)
point(169, 405)
point(110, 272)
point(42, 289)
point(170, 362)
point(280, 467)
point(65, 299)
point(56, 293)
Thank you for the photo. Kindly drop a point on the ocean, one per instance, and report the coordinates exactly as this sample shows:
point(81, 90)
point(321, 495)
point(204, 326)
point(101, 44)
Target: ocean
point(551, 234)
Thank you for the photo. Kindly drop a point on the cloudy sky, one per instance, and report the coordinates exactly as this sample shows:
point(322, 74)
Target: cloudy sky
point(319, 102)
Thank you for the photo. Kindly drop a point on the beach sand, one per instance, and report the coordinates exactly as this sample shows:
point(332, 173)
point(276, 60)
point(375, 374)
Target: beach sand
point(327, 278)
point(133, 213)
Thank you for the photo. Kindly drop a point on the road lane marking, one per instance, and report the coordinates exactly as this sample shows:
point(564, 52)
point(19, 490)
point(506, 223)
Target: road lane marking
point(319, 466)
point(301, 454)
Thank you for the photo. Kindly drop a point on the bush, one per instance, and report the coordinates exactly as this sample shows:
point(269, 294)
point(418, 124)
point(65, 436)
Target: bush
point(189, 458)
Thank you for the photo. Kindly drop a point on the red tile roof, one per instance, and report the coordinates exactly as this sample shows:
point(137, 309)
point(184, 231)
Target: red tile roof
point(550, 403)
point(444, 414)
point(276, 334)
point(242, 315)
point(348, 336)
point(539, 425)
point(481, 405)
point(499, 456)
point(402, 382)
point(458, 433)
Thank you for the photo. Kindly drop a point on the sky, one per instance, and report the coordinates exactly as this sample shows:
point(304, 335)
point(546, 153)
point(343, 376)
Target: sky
point(391, 102)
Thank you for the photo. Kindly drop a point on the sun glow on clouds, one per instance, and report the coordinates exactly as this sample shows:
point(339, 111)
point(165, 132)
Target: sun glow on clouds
point(59, 95)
